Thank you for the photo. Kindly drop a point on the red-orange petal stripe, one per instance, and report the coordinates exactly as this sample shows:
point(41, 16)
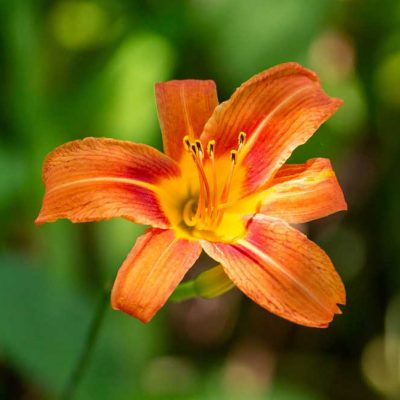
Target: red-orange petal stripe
point(283, 271)
point(301, 193)
point(279, 109)
point(183, 109)
point(95, 179)
point(151, 272)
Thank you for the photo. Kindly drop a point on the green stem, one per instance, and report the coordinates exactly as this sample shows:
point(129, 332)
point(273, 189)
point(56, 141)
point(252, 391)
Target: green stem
point(185, 291)
point(88, 346)
point(208, 284)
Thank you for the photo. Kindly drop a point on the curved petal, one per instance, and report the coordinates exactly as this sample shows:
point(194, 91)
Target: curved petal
point(284, 272)
point(278, 109)
point(151, 272)
point(95, 179)
point(303, 192)
point(183, 109)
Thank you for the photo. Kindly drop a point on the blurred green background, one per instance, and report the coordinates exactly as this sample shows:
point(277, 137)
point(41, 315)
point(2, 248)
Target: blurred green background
point(80, 68)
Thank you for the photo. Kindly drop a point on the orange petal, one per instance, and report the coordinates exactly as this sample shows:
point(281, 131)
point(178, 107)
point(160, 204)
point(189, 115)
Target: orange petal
point(303, 192)
point(282, 271)
point(278, 109)
point(151, 272)
point(95, 179)
point(183, 109)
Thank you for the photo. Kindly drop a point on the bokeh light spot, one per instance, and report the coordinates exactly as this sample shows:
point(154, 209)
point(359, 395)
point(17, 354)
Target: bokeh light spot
point(388, 80)
point(392, 336)
point(77, 25)
point(249, 371)
point(169, 375)
point(376, 369)
point(139, 62)
point(332, 55)
point(352, 115)
point(347, 249)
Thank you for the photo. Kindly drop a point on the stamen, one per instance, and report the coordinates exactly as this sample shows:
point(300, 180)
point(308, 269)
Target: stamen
point(210, 205)
point(225, 192)
point(241, 140)
point(199, 148)
point(211, 148)
point(234, 155)
point(210, 151)
point(204, 195)
point(186, 143)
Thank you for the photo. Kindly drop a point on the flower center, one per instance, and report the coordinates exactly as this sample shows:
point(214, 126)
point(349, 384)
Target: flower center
point(207, 210)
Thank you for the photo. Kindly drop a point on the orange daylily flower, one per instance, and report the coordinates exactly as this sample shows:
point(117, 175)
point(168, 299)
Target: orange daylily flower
point(221, 186)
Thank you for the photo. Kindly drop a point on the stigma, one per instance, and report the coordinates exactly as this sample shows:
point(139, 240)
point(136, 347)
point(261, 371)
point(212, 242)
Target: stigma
point(206, 210)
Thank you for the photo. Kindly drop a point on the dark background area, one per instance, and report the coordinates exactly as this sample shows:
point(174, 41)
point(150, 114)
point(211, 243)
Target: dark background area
point(80, 68)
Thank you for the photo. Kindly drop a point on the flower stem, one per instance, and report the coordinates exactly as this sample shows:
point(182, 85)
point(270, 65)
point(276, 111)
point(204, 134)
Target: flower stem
point(208, 284)
point(185, 291)
point(88, 346)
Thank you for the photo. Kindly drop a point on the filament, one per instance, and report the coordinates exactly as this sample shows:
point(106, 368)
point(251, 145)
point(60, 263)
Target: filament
point(210, 152)
point(210, 206)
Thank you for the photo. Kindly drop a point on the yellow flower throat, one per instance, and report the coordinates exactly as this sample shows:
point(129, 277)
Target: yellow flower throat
point(206, 207)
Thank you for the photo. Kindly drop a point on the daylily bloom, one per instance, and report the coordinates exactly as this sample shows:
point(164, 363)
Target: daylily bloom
point(221, 186)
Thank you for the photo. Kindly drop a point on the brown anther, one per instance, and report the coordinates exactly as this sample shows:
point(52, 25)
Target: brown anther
point(186, 143)
point(242, 138)
point(199, 147)
point(234, 154)
point(194, 149)
point(211, 148)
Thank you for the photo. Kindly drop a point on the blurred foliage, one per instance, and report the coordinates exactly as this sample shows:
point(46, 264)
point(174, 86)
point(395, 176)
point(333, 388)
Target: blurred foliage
point(76, 68)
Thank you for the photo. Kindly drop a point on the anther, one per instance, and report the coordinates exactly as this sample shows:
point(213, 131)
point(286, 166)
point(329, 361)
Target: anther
point(234, 154)
point(194, 149)
point(186, 143)
point(242, 138)
point(211, 148)
point(199, 147)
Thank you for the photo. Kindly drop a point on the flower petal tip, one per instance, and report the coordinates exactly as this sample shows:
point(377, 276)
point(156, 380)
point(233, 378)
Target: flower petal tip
point(153, 269)
point(338, 311)
point(43, 219)
point(118, 304)
point(336, 103)
point(183, 106)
